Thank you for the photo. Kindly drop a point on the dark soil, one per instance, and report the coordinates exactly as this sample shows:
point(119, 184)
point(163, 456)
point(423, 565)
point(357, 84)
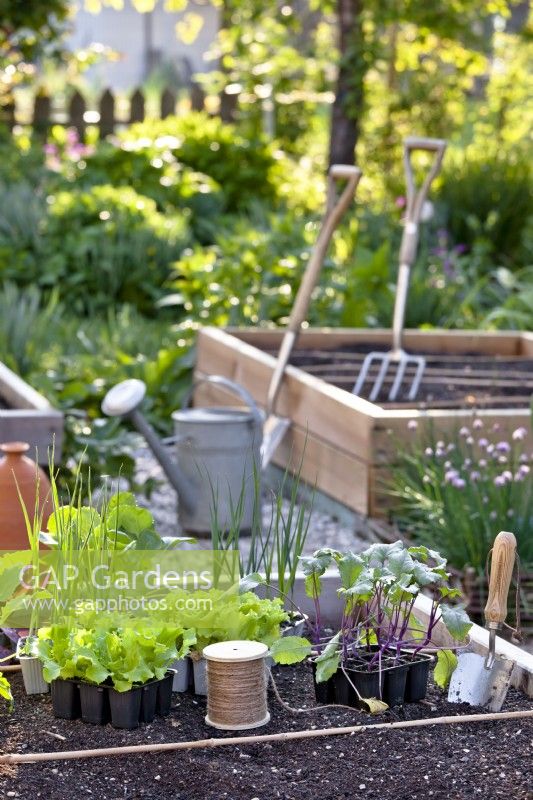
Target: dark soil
point(450, 381)
point(485, 760)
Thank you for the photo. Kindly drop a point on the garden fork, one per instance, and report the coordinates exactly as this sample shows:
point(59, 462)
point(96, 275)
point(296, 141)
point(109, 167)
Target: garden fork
point(415, 204)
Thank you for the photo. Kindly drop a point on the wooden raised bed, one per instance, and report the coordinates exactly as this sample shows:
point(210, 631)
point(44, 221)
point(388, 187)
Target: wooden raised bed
point(349, 442)
point(27, 416)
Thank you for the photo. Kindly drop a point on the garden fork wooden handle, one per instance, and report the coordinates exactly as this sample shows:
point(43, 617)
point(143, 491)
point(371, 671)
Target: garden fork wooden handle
point(416, 199)
point(501, 570)
point(415, 202)
point(335, 209)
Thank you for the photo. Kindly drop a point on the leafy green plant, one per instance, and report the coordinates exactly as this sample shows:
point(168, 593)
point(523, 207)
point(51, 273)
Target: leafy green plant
point(213, 148)
point(108, 245)
point(379, 588)
point(5, 691)
point(117, 524)
point(218, 616)
point(153, 170)
point(490, 198)
point(125, 654)
point(462, 490)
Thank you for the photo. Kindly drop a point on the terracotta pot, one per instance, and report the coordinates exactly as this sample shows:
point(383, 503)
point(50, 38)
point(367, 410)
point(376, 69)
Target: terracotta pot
point(17, 469)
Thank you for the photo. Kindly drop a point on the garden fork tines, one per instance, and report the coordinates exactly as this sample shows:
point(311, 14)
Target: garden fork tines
point(398, 356)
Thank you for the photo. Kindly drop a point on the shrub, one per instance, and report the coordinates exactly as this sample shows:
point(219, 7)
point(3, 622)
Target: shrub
point(246, 169)
point(252, 273)
point(490, 199)
point(108, 245)
point(154, 171)
point(19, 163)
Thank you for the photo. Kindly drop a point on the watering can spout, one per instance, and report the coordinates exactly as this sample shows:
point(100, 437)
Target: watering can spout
point(123, 400)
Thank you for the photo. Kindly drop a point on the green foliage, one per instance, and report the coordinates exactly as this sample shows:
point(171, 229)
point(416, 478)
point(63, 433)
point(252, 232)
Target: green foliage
point(290, 650)
point(252, 271)
point(153, 170)
point(462, 491)
point(446, 663)
point(118, 523)
point(27, 31)
point(109, 245)
point(126, 654)
point(275, 548)
point(5, 691)
point(245, 169)
point(489, 200)
point(27, 326)
point(97, 248)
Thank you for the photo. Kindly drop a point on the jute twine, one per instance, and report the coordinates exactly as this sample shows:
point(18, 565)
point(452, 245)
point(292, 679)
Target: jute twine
point(237, 696)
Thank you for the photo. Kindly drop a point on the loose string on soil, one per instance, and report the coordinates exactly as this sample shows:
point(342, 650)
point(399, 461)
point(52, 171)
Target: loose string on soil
point(234, 741)
point(314, 709)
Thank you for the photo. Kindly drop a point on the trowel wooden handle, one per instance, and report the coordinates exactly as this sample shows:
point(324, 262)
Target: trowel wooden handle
point(503, 558)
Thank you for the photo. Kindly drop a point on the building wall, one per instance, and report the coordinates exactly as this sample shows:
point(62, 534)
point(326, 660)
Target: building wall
point(142, 40)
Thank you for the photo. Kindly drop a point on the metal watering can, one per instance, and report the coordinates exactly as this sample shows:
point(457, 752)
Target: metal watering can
point(217, 453)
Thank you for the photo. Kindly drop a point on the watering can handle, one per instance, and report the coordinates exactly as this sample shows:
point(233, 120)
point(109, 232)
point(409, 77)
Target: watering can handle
point(232, 388)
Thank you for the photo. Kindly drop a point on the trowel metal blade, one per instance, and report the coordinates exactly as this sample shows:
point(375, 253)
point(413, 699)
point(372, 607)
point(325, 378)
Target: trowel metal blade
point(274, 430)
point(472, 683)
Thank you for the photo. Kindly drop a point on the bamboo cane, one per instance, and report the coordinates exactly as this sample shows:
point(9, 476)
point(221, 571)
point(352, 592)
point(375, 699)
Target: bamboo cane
point(11, 668)
point(25, 758)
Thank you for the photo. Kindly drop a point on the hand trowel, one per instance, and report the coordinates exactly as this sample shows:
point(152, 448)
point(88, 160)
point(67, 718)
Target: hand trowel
point(484, 680)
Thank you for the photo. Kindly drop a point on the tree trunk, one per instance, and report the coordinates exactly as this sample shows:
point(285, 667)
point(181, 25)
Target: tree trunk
point(348, 106)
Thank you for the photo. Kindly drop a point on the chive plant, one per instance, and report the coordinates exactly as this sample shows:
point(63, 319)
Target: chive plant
point(458, 490)
point(274, 548)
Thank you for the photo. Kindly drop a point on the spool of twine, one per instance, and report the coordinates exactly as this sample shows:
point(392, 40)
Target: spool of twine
point(236, 685)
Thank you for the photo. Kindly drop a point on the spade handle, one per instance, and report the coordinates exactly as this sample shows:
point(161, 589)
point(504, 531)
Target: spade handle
point(503, 558)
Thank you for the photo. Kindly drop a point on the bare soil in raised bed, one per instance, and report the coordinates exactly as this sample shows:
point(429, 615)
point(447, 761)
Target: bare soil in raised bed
point(460, 380)
point(486, 760)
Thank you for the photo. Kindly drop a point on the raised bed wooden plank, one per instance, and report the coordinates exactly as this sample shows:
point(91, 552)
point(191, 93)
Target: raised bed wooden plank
point(17, 393)
point(39, 428)
point(335, 415)
point(29, 417)
point(503, 342)
point(522, 676)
